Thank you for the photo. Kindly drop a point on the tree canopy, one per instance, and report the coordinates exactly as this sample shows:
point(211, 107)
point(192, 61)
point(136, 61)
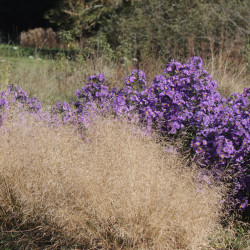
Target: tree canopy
point(137, 28)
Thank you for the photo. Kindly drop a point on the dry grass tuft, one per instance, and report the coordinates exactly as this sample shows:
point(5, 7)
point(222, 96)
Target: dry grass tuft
point(39, 38)
point(117, 190)
point(232, 77)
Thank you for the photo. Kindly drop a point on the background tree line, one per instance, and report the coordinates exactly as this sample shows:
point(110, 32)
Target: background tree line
point(163, 28)
point(138, 29)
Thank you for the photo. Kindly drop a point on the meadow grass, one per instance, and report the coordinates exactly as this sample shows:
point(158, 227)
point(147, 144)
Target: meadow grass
point(231, 77)
point(53, 80)
point(117, 188)
point(56, 80)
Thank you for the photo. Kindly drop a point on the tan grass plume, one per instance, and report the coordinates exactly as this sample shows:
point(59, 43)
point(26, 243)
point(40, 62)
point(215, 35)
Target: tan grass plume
point(117, 190)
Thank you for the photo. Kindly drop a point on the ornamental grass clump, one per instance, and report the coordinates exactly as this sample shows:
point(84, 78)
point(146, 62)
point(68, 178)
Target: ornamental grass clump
point(116, 189)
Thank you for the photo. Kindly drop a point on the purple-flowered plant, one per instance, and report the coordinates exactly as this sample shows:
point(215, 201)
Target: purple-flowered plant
point(181, 101)
point(184, 101)
point(15, 95)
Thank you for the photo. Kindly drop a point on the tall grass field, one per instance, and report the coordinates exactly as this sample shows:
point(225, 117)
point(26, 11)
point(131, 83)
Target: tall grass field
point(95, 178)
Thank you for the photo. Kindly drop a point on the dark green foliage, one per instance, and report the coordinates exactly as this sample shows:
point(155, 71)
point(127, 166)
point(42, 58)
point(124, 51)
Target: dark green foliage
point(177, 28)
point(141, 28)
point(162, 28)
point(80, 17)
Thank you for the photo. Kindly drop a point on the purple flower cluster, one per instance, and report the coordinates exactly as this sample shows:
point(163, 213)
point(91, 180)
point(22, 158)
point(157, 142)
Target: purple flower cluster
point(15, 95)
point(181, 101)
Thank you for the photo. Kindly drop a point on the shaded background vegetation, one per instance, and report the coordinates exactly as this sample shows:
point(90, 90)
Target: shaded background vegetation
point(139, 29)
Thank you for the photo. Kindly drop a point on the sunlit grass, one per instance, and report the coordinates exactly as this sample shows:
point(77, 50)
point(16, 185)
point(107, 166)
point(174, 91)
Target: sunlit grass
point(116, 189)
